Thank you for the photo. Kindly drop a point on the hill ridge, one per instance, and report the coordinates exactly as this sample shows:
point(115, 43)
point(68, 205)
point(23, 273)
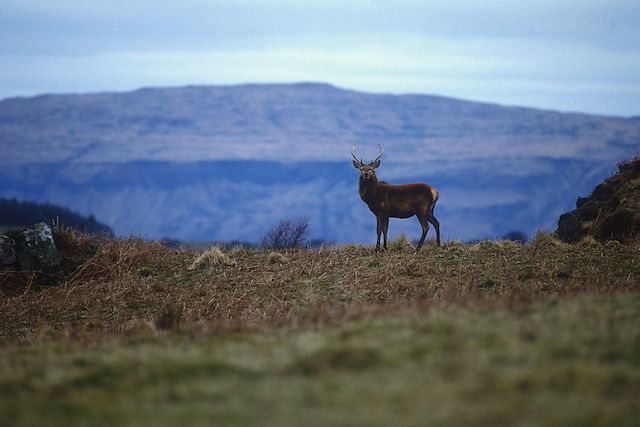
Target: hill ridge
point(524, 165)
point(291, 122)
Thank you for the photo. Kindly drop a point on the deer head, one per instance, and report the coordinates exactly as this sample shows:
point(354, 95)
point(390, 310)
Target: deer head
point(367, 171)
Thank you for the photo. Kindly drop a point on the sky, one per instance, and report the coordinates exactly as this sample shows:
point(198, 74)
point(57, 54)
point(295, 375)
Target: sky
point(574, 55)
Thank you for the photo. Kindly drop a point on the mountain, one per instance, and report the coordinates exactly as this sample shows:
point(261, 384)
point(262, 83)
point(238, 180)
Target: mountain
point(227, 162)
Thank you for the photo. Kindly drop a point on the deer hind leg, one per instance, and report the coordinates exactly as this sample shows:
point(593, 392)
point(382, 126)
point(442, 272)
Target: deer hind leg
point(432, 219)
point(385, 228)
point(422, 217)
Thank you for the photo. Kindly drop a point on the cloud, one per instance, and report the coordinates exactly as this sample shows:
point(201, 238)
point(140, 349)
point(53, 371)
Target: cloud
point(538, 73)
point(578, 56)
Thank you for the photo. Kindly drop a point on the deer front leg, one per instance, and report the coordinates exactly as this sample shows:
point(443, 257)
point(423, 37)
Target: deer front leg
point(378, 231)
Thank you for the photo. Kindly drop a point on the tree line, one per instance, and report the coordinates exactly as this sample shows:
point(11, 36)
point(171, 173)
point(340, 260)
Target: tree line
point(15, 213)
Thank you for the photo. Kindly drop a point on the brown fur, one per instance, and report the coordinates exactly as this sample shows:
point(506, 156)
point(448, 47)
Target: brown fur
point(397, 201)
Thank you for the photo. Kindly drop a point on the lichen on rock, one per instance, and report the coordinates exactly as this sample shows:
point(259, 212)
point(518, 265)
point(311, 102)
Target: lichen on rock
point(30, 249)
point(35, 249)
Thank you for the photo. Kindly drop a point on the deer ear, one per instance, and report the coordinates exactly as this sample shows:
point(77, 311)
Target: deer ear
point(356, 164)
point(375, 164)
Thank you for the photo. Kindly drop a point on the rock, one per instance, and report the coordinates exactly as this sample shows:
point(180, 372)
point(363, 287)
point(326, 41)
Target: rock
point(569, 227)
point(7, 252)
point(36, 250)
point(611, 212)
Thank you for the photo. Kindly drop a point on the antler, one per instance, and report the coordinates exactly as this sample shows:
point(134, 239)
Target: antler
point(380, 155)
point(353, 154)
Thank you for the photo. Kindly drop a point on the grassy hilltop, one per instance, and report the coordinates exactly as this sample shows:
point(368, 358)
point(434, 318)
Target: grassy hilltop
point(495, 332)
point(492, 333)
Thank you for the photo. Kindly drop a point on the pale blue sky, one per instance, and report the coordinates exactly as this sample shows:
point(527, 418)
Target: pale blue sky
point(563, 55)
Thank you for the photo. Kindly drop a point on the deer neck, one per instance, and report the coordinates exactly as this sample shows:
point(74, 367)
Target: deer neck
point(368, 189)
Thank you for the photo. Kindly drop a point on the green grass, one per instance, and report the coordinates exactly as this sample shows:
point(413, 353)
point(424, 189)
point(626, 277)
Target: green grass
point(493, 333)
point(557, 361)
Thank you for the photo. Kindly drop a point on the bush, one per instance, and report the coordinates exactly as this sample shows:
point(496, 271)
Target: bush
point(287, 234)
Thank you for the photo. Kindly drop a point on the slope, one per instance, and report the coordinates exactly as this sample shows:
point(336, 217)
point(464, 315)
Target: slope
point(611, 212)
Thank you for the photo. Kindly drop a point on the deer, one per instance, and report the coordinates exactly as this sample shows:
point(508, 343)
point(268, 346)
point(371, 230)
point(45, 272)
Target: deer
point(395, 201)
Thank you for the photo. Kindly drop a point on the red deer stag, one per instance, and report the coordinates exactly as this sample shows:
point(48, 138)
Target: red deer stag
point(396, 201)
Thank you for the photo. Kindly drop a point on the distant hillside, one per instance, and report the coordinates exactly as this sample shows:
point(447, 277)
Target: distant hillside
point(611, 212)
point(297, 122)
point(227, 162)
point(14, 213)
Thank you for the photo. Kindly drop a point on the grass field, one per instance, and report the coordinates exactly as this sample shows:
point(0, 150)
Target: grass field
point(494, 333)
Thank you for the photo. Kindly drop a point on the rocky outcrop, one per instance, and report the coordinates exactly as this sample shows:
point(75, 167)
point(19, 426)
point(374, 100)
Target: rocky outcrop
point(611, 212)
point(30, 249)
point(7, 252)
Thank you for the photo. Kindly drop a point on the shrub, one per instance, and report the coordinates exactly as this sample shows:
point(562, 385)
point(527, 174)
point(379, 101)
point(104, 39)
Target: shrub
point(287, 234)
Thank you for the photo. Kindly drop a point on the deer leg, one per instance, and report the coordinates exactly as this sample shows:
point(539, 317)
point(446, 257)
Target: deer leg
point(425, 229)
point(432, 219)
point(378, 231)
point(385, 228)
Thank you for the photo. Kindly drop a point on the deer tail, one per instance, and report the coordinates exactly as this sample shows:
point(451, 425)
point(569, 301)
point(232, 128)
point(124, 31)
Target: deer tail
point(434, 195)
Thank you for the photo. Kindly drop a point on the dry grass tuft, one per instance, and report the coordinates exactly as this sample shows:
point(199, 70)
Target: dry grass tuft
point(588, 241)
point(276, 258)
point(212, 259)
point(544, 240)
point(401, 244)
